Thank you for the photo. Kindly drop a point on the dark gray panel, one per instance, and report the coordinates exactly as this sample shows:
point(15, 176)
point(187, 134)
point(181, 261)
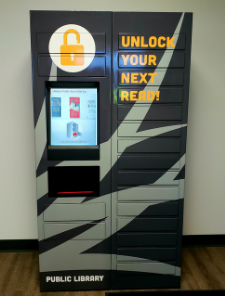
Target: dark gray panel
point(96, 68)
point(149, 59)
point(161, 112)
point(150, 146)
point(180, 43)
point(147, 224)
point(146, 239)
point(43, 41)
point(159, 209)
point(158, 254)
point(132, 178)
point(147, 162)
point(167, 95)
point(173, 77)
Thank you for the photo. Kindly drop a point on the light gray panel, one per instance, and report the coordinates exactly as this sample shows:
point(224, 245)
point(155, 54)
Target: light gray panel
point(122, 258)
point(160, 268)
point(130, 130)
point(75, 212)
point(96, 232)
point(151, 193)
point(67, 256)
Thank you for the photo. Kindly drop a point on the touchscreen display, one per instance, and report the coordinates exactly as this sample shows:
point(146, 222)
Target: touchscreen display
point(73, 119)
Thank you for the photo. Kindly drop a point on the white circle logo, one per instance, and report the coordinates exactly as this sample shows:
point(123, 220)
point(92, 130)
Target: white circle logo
point(72, 48)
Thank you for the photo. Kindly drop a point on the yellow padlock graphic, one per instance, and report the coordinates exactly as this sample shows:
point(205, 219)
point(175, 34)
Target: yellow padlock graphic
point(72, 55)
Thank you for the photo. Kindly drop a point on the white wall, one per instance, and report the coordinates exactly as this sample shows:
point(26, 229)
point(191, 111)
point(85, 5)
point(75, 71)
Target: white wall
point(205, 172)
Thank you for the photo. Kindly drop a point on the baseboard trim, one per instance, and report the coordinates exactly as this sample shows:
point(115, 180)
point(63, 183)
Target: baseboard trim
point(203, 240)
point(19, 245)
point(187, 241)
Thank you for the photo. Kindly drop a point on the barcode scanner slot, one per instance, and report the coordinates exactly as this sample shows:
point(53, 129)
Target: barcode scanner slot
point(73, 181)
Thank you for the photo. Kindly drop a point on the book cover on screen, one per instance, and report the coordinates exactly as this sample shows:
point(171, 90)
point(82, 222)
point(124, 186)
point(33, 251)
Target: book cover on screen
point(74, 107)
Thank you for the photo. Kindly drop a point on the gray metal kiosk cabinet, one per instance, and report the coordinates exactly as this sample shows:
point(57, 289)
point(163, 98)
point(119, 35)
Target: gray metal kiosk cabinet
point(110, 116)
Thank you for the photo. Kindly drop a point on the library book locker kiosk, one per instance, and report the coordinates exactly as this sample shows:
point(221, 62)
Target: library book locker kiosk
point(110, 96)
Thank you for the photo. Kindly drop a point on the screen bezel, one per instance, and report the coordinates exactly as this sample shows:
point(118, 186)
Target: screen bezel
point(81, 152)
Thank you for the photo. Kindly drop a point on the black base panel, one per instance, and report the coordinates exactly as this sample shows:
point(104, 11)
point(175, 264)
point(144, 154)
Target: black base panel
point(75, 286)
point(141, 281)
point(145, 281)
point(73, 154)
point(203, 240)
point(187, 241)
point(168, 293)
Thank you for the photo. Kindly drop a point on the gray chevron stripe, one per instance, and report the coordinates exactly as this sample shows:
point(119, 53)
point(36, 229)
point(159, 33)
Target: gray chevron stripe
point(168, 177)
point(178, 271)
point(42, 185)
point(40, 135)
point(164, 61)
point(149, 133)
point(148, 267)
point(73, 257)
point(40, 129)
